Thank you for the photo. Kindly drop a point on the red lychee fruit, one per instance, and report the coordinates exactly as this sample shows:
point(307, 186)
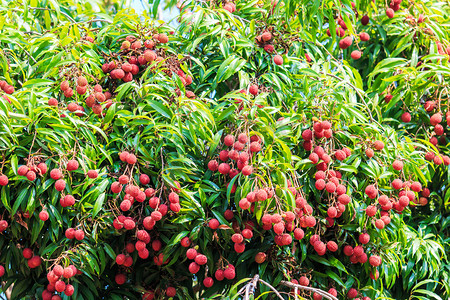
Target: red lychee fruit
point(278, 60)
point(60, 286)
point(390, 13)
point(213, 165)
point(369, 153)
point(43, 215)
point(229, 273)
point(194, 267)
point(131, 159)
point(208, 282)
point(365, 20)
point(406, 117)
point(31, 175)
point(348, 250)
point(260, 257)
point(34, 262)
point(224, 168)
point(332, 246)
point(375, 261)
point(116, 187)
point(371, 210)
point(185, 242)
point(213, 224)
point(219, 275)
point(397, 165)
point(298, 233)
point(345, 42)
point(364, 238)
point(70, 233)
point(247, 170)
point(364, 36)
point(120, 278)
point(3, 180)
point(435, 119)
point(64, 85)
point(303, 281)
point(52, 102)
point(352, 293)
point(201, 259)
point(253, 89)
point(92, 174)
point(191, 253)
point(72, 165)
point(79, 234)
point(356, 54)
point(82, 81)
point(266, 36)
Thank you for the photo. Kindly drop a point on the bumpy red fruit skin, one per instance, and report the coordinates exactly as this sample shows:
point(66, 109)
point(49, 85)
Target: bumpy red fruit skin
point(397, 165)
point(375, 260)
point(194, 267)
point(364, 238)
point(60, 184)
point(43, 215)
point(213, 165)
point(364, 36)
point(390, 13)
point(278, 60)
point(60, 286)
point(70, 233)
point(213, 224)
point(224, 168)
point(219, 275)
point(27, 253)
point(253, 89)
point(369, 153)
point(208, 282)
point(72, 165)
point(191, 253)
point(345, 42)
point(304, 281)
point(3, 180)
point(365, 20)
point(406, 117)
point(185, 242)
point(229, 273)
point(31, 175)
point(352, 293)
point(260, 257)
point(355, 54)
point(120, 279)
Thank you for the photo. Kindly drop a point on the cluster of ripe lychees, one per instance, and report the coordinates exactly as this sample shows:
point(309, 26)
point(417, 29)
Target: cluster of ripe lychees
point(236, 159)
point(94, 100)
point(266, 40)
point(133, 194)
point(59, 278)
point(8, 89)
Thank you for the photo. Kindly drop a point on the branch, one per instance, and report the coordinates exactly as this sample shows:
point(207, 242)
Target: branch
point(307, 288)
point(356, 90)
point(50, 9)
point(273, 289)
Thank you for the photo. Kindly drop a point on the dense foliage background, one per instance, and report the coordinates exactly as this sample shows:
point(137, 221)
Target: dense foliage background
point(303, 141)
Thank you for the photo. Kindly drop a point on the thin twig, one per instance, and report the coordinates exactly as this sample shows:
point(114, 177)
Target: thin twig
point(356, 90)
point(307, 288)
point(273, 289)
point(49, 9)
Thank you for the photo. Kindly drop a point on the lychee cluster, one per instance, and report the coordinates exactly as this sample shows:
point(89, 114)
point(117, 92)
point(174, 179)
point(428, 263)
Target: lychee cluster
point(5, 87)
point(94, 100)
point(237, 158)
point(59, 281)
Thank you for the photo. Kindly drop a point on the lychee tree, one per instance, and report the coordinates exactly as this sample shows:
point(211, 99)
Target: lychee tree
point(302, 143)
